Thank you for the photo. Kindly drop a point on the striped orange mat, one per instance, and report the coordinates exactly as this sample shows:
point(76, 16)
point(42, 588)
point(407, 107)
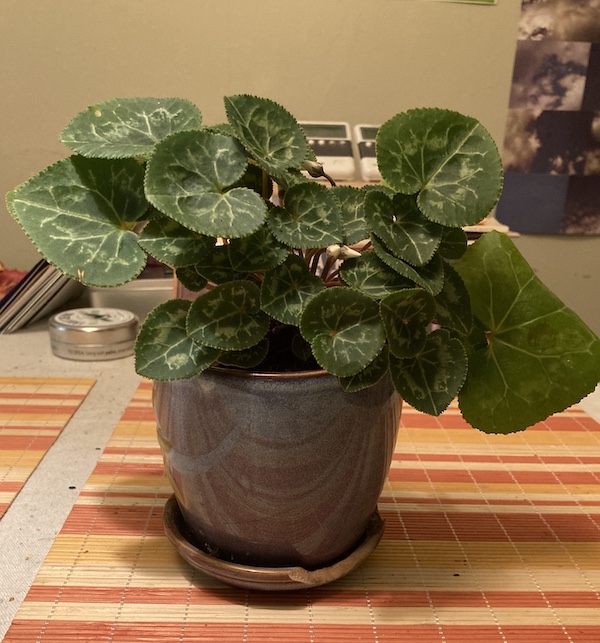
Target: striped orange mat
point(33, 412)
point(488, 539)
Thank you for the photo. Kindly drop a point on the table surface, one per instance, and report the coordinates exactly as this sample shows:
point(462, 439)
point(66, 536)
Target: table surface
point(28, 529)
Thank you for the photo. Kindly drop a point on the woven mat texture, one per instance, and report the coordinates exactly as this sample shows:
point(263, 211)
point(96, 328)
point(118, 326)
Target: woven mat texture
point(33, 412)
point(488, 539)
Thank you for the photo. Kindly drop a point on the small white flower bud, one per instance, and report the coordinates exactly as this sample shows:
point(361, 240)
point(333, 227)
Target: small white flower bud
point(314, 169)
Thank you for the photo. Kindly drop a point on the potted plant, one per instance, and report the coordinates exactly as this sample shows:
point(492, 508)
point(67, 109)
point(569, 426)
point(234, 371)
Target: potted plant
point(319, 307)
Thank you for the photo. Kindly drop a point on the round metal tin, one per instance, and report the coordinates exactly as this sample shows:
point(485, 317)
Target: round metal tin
point(91, 334)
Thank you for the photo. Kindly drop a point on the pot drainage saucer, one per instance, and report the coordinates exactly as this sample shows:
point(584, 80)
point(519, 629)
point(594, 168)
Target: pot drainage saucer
point(265, 578)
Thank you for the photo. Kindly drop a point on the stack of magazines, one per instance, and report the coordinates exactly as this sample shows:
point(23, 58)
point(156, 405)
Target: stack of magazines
point(42, 290)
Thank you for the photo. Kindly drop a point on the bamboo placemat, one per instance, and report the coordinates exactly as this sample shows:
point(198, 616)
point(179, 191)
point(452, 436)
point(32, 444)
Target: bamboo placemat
point(33, 412)
point(488, 539)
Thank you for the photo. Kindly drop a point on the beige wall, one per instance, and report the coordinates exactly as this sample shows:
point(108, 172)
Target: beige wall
point(341, 59)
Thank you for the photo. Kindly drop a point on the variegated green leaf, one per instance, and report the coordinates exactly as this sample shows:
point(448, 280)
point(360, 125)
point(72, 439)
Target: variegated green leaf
point(406, 315)
point(372, 374)
point(430, 276)
point(286, 180)
point(430, 380)
point(453, 305)
point(169, 242)
point(539, 357)
point(256, 179)
point(257, 252)
point(270, 134)
point(369, 274)
point(128, 127)
point(248, 358)
point(228, 317)
point(190, 278)
point(186, 179)
point(310, 217)
point(287, 288)
point(344, 329)
point(163, 351)
point(80, 214)
point(399, 223)
point(449, 159)
point(354, 223)
point(216, 266)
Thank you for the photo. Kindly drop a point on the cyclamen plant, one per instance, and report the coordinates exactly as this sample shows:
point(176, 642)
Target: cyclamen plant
point(294, 274)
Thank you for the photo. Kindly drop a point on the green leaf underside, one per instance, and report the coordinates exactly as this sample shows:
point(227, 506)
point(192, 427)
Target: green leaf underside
point(310, 217)
point(163, 351)
point(128, 127)
point(287, 288)
point(450, 159)
point(369, 274)
point(270, 134)
point(228, 317)
point(430, 276)
point(453, 305)
point(540, 358)
point(369, 376)
point(344, 330)
point(79, 213)
point(186, 178)
point(257, 252)
point(399, 223)
point(351, 201)
point(173, 244)
point(406, 315)
point(430, 380)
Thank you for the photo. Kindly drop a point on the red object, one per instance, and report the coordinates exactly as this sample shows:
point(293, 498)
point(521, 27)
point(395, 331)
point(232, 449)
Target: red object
point(8, 278)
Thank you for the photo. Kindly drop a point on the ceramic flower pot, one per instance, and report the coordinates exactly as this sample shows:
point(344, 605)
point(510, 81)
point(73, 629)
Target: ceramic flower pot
point(274, 472)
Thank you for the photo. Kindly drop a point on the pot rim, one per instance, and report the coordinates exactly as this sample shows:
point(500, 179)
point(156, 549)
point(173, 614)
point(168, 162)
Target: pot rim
point(287, 375)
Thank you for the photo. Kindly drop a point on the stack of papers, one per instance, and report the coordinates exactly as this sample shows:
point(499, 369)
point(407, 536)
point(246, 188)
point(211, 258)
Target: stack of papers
point(42, 290)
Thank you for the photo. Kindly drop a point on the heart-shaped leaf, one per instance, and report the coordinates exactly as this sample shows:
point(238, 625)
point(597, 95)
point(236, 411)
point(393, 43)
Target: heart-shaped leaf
point(248, 358)
point(449, 159)
point(287, 288)
point(344, 329)
point(540, 357)
point(128, 127)
point(216, 266)
point(399, 223)
point(453, 304)
point(352, 201)
point(186, 179)
point(406, 315)
point(369, 274)
point(170, 242)
point(190, 278)
point(80, 214)
point(257, 252)
point(228, 317)
point(430, 276)
point(163, 351)
point(430, 380)
point(372, 374)
point(270, 134)
point(310, 217)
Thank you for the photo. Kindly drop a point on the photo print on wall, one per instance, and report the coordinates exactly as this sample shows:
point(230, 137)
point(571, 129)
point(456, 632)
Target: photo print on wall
point(551, 150)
